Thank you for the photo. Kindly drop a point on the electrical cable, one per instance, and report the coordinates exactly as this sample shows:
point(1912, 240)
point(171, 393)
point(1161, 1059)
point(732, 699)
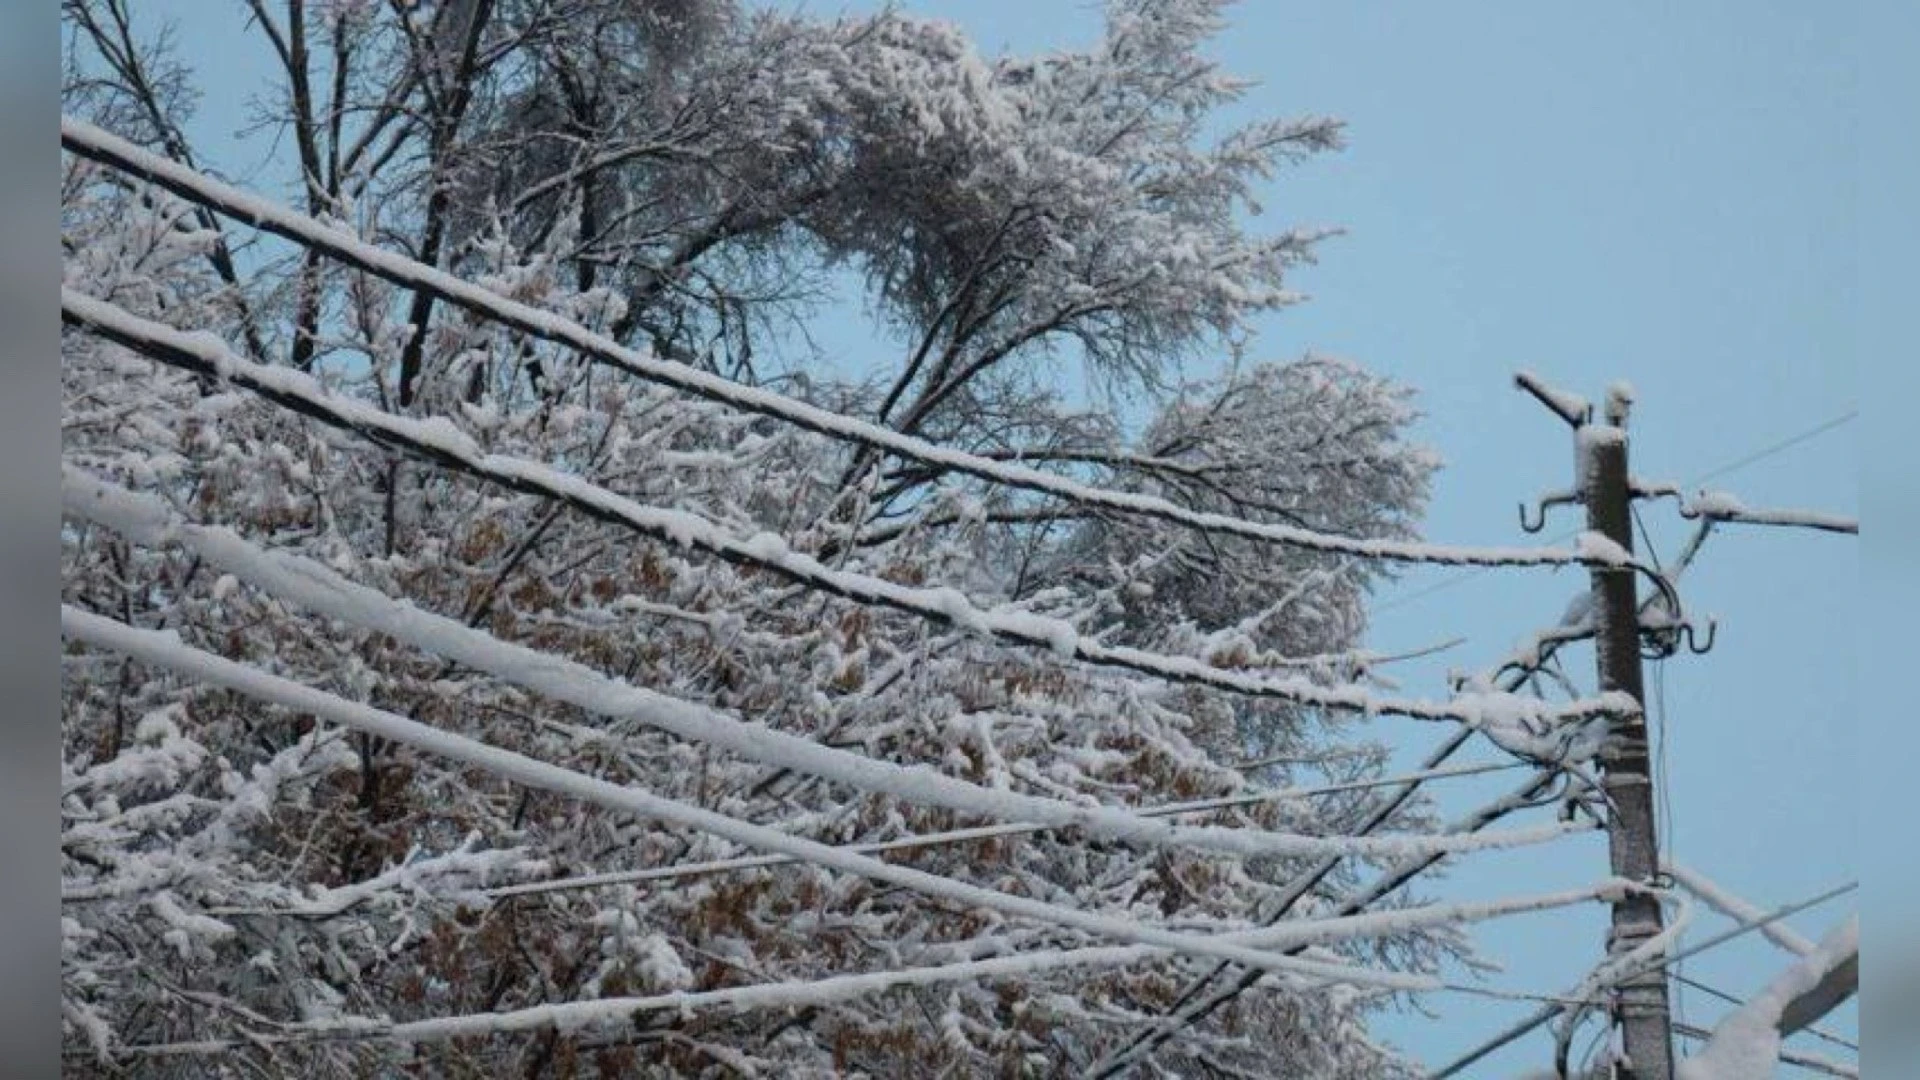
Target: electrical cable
point(1548, 1012)
point(1810, 1029)
point(1738, 463)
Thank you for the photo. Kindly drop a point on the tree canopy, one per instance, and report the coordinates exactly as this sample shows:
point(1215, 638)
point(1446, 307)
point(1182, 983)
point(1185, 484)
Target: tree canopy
point(691, 178)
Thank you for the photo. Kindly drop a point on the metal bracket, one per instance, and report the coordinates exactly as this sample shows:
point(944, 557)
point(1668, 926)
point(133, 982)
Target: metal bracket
point(1551, 499)
point(1695, 645)
point(1572, 408)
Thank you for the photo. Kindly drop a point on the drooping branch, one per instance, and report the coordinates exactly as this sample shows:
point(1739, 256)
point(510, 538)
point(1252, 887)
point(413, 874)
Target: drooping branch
point(307, 583)
point(984, 832)
point(1524, 726)
point(165, 651)
point(113, 40)
point(618, 1012)
point(88, 141)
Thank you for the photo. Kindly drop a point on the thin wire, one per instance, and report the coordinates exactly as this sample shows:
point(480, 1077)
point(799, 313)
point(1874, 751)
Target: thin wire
point(1731, 1000)
point(1768, 920)
point(1787, 1057)
point(1548, 1012)
point(985, 832)
point(1663, 791)
point(1559, 1000)
point(1593, 1047)
point(1795, 440)
point(1662, 786)
point(1732, 466)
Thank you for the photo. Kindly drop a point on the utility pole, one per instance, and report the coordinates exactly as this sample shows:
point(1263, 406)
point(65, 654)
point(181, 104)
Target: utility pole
point(1602, 484)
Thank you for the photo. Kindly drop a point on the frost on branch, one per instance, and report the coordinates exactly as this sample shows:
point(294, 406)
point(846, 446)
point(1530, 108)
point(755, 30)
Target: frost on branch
point(685, 176)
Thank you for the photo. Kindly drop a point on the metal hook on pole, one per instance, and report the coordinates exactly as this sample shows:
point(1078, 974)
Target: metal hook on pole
point(1698, 646)
point(1545, 503)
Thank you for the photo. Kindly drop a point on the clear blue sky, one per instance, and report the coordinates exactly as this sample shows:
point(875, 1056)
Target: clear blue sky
point(1670, 194)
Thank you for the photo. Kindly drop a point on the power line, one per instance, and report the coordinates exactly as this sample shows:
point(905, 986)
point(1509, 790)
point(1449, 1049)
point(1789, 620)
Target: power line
point(1657, 717)
point(85, 140)
point(1548, 1012)
point(1732, 466)
point(1787, 1057)
point(419, 439)
point(1731, 1000)
point(1766, 452)
point(985, 832)
point(1663, 790)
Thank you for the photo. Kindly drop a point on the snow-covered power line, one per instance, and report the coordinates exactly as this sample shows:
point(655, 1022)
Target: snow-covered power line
point(621, 1011)
point(1547, 1013)
point(1195, 1003)
point(985, 832)
point(1522, 725)
point(1735, 465)
point(1810, 1062)
point(1733, 907)
point(163, 649)
point(1746, 1042)
point(296, 580)
point(98, 145)
point(1525, 659)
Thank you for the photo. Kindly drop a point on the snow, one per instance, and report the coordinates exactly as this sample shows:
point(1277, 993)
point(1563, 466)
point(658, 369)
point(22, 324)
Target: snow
point(1716, 504)
point(662, 966)
point(1520, 724)
point(1746, 1044)
point(1740, 910)
point(302, 581)
point(166, 651)
point(89, 141)
point(1723, 506)
point(958, 836)
point(1599, 549)
point(1597, 435)
point(620, 1011)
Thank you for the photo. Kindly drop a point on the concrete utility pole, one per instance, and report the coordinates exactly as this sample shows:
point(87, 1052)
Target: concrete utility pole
point(1602, 484)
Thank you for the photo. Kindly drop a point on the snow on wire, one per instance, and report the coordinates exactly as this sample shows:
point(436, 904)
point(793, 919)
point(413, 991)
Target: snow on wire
point(814, 993)
point(1527, 727)
point(290, 578)
point(164, 649)
point(960, 836)
point(101, 146)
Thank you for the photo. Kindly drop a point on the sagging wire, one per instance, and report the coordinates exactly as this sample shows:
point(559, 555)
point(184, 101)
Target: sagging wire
point(1811, 1029)
point(978, 833)
point(1462, 577)
point(1548, 1012)
point(1615, 971)
point(1663, 790)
